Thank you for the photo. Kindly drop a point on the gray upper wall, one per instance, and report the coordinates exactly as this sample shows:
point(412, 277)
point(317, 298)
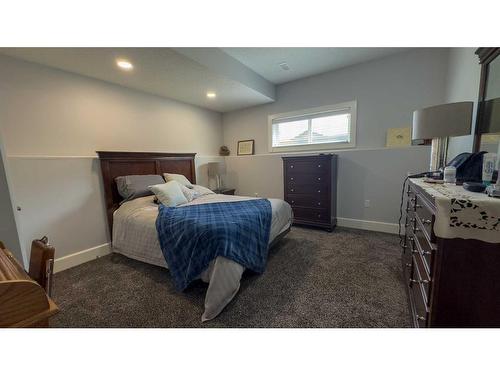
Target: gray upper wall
point(40, 106)
point(387, 91)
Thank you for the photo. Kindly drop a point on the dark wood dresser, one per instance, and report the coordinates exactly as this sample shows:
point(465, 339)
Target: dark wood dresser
point(310, 184)
point(450, 282)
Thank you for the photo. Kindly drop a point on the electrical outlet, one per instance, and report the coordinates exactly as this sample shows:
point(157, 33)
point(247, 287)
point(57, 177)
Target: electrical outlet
point(367, 203)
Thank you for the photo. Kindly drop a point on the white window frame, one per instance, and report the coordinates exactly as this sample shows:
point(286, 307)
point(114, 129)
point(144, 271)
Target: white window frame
point(349, 106)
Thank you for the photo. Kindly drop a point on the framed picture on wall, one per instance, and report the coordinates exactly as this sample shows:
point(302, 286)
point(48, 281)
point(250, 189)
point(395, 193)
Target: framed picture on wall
point(398, 137)
point(246, 147)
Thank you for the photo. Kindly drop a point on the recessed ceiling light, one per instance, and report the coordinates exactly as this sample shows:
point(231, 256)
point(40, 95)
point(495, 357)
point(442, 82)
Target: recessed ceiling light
point(211, 94)
point(284, 65)
point(124, 64)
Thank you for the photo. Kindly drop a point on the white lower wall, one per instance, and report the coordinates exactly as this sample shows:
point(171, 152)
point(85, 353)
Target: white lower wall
point(8, 229)
point(375, 175)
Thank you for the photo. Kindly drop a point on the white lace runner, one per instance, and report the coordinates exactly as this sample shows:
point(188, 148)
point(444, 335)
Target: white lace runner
point(464, 214)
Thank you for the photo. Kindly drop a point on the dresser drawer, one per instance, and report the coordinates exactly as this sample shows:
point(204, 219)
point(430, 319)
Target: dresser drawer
point(420, 313)
point(310, 178)
point(319, 190)
point(424, 247)
point(424, 214)
point(310, 201)
point(319, 215)
point(419, 276)
point(308, 166)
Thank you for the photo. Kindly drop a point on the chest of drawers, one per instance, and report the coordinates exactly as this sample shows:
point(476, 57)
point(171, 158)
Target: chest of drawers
point(450, 282)
point(310, 187)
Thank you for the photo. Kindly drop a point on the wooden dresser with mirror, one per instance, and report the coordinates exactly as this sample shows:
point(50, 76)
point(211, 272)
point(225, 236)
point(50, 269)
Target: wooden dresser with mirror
point(453, 282)
point(487, 131)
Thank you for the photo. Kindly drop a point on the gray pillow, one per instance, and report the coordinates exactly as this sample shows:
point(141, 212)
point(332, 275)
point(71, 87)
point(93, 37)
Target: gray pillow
point(135, 186)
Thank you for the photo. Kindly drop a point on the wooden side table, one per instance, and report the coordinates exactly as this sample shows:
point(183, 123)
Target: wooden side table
point(225, 191)
point(23, 302)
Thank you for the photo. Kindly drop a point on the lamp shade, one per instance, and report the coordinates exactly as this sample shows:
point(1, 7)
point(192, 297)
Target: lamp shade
point(216, 169)
point(446, 120)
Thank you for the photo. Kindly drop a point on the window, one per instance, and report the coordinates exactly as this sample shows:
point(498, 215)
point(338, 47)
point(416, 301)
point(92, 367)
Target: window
point(314, 129)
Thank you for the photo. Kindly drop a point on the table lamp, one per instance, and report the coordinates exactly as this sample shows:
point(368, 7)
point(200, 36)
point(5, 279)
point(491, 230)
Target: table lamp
point(438, 123)
point(216, 169)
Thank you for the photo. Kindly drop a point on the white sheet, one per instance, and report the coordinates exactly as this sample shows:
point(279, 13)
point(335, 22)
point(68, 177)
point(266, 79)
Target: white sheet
point(134, 235)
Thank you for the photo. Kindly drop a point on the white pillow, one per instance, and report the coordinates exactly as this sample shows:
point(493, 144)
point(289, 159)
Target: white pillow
point(180, 178)
point(202, 190)
point(190, 194)
point(169, 194)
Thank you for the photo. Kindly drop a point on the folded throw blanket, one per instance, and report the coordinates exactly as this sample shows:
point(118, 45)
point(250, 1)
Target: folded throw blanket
point(192, 236)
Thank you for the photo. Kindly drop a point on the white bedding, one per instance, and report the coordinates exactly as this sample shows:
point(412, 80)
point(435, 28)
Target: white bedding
point(134, 235)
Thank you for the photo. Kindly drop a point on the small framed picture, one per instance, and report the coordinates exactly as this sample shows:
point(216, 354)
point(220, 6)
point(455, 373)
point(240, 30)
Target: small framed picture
point(246, 147)
point(398, 137)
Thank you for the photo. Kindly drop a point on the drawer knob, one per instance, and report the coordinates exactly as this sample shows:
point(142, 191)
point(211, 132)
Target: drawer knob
point(319, 203)
point(291, 166)
point(319, 191)
point(293, 202)
point(291, 190)
point(319, 178)
point(291, 178)
point(319, 215)
point(319, 165)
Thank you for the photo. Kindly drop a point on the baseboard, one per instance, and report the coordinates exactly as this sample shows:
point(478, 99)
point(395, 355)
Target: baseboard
point(376, 226)
point(72, 260)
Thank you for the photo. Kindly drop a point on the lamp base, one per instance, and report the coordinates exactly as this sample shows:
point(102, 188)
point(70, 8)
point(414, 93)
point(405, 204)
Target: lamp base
point(439, 149)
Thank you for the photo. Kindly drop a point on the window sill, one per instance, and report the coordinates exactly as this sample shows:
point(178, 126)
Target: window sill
point(312, 148)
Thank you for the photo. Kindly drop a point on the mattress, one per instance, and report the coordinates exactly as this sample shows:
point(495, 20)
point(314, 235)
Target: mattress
point(135, 236)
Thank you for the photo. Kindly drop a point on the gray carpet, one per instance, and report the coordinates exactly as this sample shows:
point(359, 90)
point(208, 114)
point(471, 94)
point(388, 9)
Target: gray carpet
point(347, 278)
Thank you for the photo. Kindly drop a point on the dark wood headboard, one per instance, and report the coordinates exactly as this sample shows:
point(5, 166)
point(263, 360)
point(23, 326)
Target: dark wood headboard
point(118, 163)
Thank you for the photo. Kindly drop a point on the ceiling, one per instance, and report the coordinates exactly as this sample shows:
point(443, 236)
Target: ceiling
point(241, 77)
point(161, 71)
point(303, 62)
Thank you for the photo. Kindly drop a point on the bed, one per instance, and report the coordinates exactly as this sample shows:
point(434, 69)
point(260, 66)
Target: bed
point(132, 224)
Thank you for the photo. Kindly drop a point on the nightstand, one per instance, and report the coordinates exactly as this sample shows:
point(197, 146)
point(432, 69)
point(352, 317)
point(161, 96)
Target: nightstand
point(224, 191)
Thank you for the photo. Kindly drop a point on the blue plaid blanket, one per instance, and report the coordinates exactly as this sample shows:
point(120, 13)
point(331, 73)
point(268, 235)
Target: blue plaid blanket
point(192, 236)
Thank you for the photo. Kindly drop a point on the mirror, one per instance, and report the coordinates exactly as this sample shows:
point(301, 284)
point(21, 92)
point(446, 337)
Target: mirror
point(488, 125)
